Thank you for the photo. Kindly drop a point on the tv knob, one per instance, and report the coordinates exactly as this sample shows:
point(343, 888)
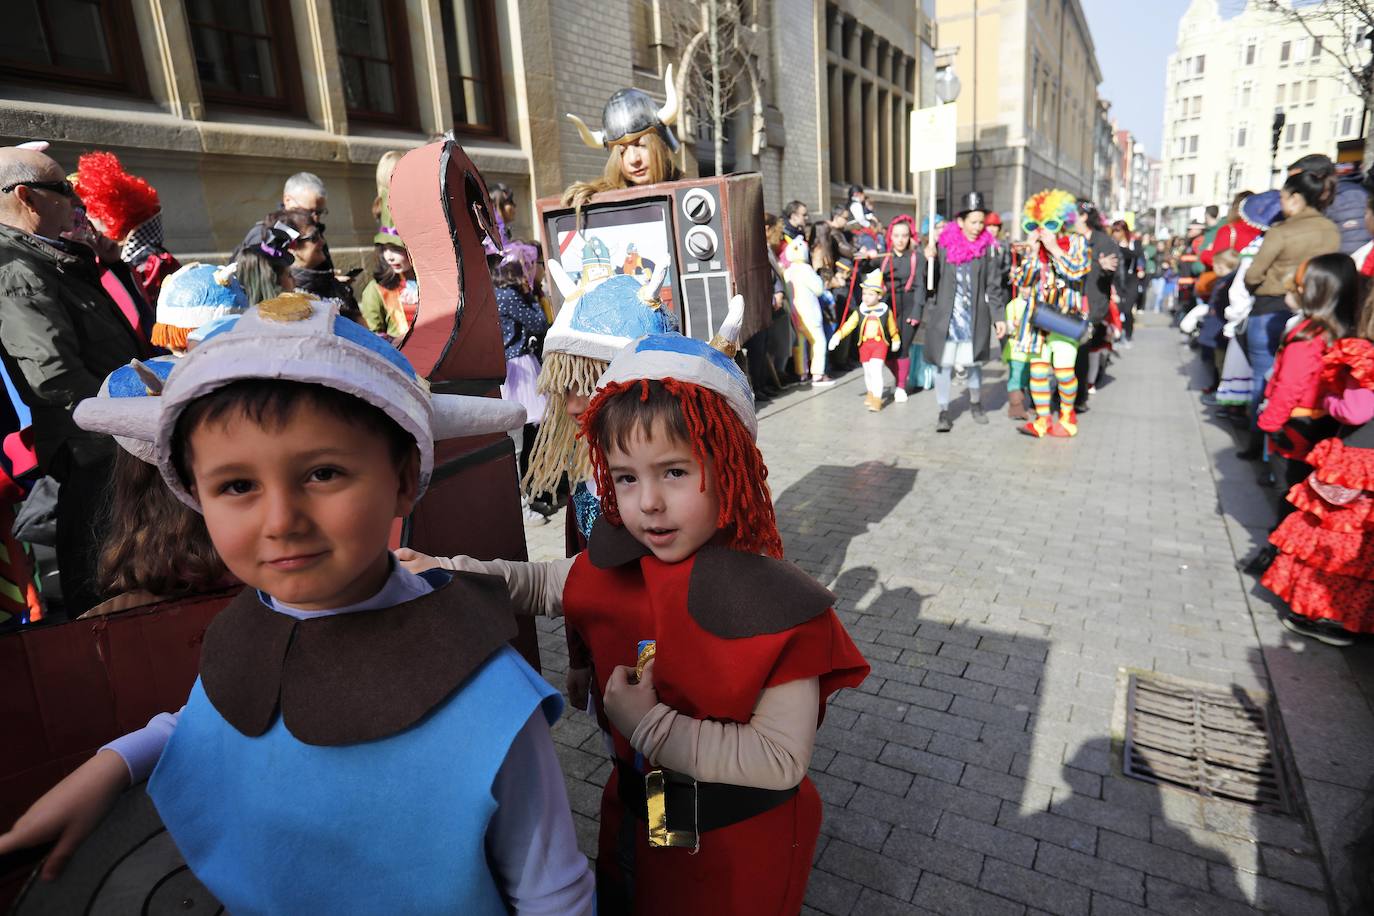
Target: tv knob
point(701, 243)
point(698, 205)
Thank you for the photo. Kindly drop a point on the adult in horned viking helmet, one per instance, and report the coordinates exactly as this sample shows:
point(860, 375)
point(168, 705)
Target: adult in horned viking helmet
point(638, 133)
point(594, 325)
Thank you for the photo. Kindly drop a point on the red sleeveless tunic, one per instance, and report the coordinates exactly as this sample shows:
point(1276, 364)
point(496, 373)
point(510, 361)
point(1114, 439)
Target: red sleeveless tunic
point(727, 625)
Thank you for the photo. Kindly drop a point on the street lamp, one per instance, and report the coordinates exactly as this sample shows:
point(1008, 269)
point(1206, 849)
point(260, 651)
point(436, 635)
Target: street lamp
point(1280, 119)
point(947, 86)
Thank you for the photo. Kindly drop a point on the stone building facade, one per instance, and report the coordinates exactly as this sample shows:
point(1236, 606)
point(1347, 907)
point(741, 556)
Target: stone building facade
point(1224, 84)
point(216, 102)
point(1028, 108)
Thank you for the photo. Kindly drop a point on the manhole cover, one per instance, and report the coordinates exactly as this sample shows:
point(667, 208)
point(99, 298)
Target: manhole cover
point(1208, 740)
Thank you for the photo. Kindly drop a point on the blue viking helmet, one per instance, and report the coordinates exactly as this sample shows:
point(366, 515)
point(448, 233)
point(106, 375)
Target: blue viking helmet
point(595, 252)
point(631, 113)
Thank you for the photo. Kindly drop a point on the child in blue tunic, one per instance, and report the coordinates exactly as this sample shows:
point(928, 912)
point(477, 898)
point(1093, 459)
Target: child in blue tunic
point(361, 739)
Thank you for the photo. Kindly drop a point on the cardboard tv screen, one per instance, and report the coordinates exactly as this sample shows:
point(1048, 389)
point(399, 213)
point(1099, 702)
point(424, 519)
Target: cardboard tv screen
point(638, 237)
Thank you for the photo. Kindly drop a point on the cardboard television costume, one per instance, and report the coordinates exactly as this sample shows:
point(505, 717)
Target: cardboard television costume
point(109, 676)
point(705, 235)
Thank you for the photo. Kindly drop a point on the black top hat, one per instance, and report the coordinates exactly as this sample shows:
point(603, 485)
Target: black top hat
point(973, 200)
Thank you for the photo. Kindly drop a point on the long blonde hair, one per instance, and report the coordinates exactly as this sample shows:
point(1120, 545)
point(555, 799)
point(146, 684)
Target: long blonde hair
point(385, 166)
point(661, 168)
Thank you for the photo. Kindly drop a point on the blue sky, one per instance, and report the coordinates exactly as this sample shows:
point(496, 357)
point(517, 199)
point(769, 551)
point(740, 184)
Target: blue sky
point(1134, 42)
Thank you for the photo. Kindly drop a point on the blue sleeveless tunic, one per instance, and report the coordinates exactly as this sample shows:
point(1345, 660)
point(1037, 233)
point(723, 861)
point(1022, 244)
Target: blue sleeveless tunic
point(396, 825)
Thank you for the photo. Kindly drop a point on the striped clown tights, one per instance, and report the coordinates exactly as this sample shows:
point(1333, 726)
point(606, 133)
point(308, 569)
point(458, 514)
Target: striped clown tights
point(1042, 388)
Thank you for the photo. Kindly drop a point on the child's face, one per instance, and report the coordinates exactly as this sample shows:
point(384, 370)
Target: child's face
point(872, 297)
point(302, 512)
point(658, 488)
point(396, 259)
point(576, 403)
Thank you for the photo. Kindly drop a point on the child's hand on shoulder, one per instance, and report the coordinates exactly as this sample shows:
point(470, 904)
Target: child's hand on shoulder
point(414, 561)
point(69, 811)
point(627, 702)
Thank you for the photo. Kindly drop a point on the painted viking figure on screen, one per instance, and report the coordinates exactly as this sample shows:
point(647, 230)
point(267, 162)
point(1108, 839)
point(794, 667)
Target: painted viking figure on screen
point(1050, 280)
point(879, 337)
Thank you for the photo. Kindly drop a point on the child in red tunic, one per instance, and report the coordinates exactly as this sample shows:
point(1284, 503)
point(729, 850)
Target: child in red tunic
point(713, 657)
point(1325, 294)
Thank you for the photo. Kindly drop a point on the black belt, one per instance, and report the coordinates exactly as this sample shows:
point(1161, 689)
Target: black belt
point(698, 807)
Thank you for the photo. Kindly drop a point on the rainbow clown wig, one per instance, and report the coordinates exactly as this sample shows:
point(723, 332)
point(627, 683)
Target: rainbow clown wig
point(1052, 209)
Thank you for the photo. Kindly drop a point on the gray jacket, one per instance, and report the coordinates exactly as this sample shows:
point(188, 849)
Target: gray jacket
point(61, 334)
point(934, 310)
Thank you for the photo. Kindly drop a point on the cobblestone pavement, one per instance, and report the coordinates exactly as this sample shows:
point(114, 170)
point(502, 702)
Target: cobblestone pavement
point(1002, 587)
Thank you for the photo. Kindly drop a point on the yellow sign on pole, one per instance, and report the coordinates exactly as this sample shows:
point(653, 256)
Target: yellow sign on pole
point(934, 140)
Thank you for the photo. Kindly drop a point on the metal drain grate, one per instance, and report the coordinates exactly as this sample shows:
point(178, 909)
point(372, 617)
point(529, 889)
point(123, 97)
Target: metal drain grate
point(1210, 741)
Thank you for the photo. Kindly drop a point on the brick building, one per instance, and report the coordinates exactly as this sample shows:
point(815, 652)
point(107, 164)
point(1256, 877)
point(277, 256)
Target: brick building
point(217, 101)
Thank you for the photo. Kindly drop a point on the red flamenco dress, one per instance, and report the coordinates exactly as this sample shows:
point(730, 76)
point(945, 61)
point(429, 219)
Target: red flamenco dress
point(1325, 566)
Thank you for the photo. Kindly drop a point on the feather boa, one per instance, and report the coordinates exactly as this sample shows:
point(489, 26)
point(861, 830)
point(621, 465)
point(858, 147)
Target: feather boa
point(958, 249)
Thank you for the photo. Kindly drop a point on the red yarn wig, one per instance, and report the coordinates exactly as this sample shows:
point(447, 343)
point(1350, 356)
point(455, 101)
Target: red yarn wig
point(120, 202)
point(703, 418)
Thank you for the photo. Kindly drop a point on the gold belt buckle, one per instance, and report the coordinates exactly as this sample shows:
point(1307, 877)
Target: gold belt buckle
point(656, 800)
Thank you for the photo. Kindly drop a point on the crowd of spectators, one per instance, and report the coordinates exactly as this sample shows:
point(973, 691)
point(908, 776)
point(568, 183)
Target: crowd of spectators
point(1276, 299)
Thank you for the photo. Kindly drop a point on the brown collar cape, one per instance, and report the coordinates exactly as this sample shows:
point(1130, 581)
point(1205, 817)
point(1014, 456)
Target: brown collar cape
point(354, 677)
point(731, 595)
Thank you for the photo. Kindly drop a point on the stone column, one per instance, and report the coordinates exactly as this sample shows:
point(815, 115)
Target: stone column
point(321, 76)
point(430, 66)
point(169, 57)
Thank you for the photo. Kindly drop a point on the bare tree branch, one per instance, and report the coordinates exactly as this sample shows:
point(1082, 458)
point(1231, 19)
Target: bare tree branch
point(717, 73)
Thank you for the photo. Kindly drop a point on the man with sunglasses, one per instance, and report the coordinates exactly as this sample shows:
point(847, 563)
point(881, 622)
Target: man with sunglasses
point(61, 334)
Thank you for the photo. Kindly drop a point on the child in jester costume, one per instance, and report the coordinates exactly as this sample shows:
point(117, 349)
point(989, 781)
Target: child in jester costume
point(878, 336)
point(1050, 279)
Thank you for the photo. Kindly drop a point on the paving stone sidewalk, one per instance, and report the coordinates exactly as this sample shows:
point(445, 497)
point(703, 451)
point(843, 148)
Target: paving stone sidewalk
point(1002, 587)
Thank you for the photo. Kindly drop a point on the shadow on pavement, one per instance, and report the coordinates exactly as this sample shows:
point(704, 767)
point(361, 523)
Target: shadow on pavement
point(970, 774)
point(824, 511)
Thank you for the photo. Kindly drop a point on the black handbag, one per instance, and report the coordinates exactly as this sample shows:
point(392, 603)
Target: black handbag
point(1052, 321)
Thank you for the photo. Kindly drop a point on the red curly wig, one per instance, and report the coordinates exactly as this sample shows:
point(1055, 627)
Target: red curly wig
point(707, 421)
point(120, 202)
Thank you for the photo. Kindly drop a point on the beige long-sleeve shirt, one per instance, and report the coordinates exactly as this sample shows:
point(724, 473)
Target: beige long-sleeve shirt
point(1303, 235)
point(770, 751)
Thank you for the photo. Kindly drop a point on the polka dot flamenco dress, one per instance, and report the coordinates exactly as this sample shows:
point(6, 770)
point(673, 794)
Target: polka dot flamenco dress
point(1325, 566)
